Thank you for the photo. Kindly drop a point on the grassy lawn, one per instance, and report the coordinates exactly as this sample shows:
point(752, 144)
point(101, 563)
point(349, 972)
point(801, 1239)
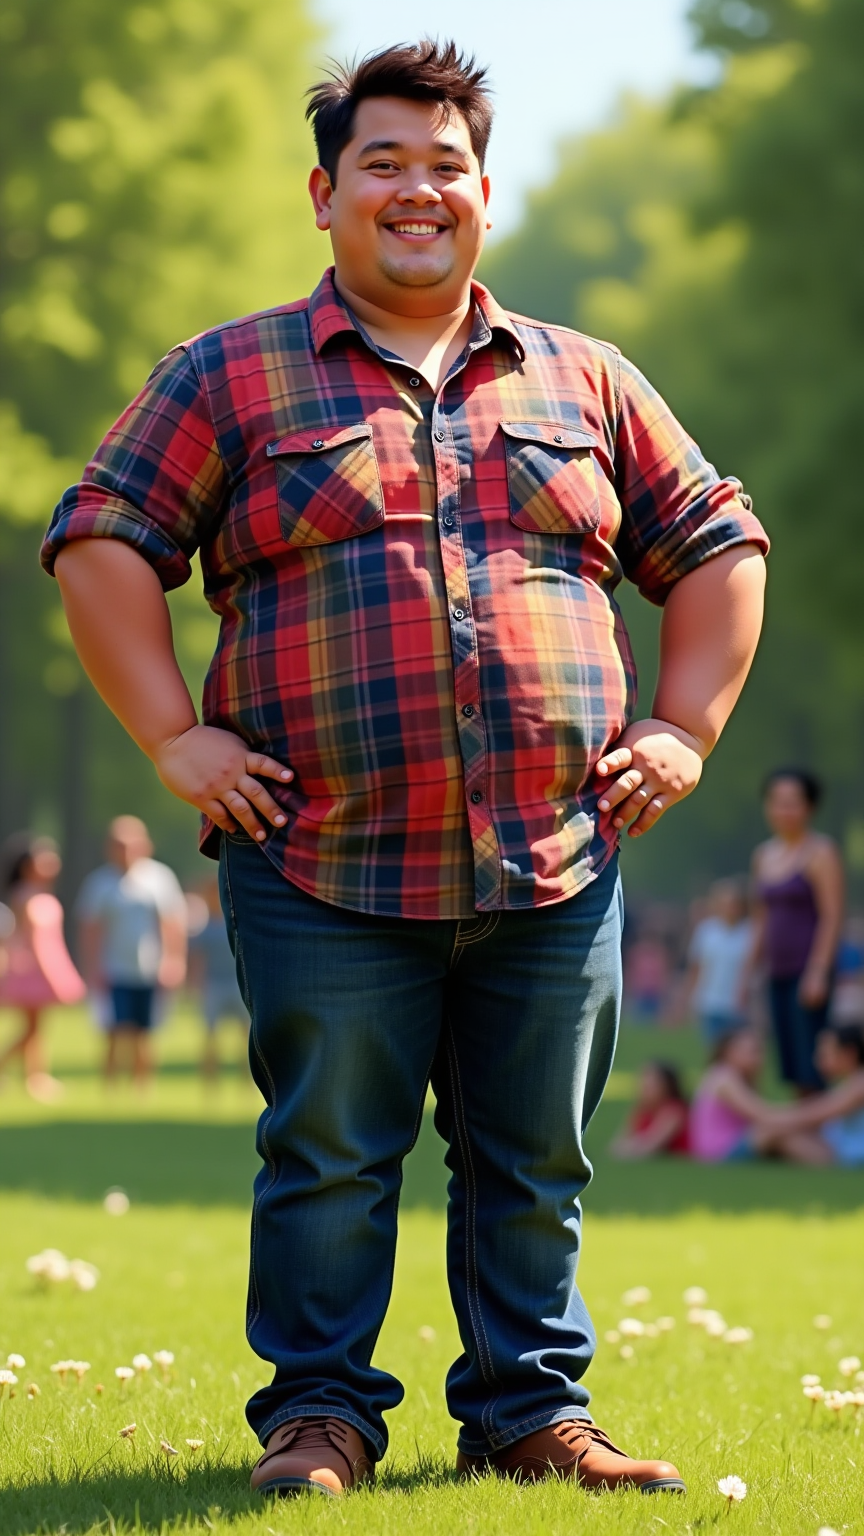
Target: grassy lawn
point(772, 1246)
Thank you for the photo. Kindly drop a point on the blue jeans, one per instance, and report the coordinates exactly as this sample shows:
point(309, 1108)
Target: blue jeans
point(513, 1016)
point(795, 1032)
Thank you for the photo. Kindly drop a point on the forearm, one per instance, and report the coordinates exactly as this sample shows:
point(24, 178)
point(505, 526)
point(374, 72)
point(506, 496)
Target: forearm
point(708, 638)
point(121, 627)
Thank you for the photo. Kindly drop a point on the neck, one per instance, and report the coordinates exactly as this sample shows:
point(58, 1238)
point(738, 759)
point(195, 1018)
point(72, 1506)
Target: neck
point(429, 343)
point(428, 324)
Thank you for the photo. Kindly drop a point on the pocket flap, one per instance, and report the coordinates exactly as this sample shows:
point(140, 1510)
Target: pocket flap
point(553, 433)
point(319, 439)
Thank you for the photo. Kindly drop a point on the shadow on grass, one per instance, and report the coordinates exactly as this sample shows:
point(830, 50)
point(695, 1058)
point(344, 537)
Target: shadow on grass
point(155, 1497)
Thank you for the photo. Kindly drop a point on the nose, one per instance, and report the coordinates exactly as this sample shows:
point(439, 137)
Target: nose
point(419, 194)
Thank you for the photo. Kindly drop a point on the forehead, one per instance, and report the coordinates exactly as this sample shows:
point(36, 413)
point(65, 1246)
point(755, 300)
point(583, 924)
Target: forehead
point(423, 126)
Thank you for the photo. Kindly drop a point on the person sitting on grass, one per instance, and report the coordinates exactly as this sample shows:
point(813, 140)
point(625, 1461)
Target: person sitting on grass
point(658, 1120)
point(727, 1113)
point(829, 1127)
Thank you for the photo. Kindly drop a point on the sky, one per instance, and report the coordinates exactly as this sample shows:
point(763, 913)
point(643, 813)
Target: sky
point(558, 67)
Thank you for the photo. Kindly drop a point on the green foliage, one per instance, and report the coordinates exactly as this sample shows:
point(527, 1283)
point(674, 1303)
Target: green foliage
point(731, 269)
point(153, 161)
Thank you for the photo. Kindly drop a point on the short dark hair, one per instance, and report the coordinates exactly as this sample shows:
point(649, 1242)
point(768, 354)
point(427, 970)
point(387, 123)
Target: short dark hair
point(670, 1078)
point(809, 785)
point(427, 71)
point(849, 1037)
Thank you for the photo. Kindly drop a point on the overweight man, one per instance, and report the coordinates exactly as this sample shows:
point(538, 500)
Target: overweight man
point(416, 756)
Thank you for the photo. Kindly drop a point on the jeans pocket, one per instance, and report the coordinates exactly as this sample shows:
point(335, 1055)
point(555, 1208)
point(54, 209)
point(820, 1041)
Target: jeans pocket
point(551, 477)
point(328, 484)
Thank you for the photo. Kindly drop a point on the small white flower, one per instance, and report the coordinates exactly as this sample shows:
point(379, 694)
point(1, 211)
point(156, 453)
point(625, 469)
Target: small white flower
point(697, 1316)
point(33, 1391)
point(427, 1333)
point(16, 1362)
point(665, 1324)
point(7, 1379)
point(194, 1445)
point(80, 1367)
point(612, 1336)
point(810, 1380)
point(626, 1351)
point(167, 1448)
point(694, 1296)
point(116, 1202)
point(822, 1321)
point(715, 1327)
point(123, 1373)
point(814, 1392)
point(738, 1335)
point(50, 1264)
point(142, 1363)
point(834, 1401)
point(164, 1358)
point(859, 1377)
point(128, 1432)
point(62, 1368)
point(652, 1331)
point(849, 1365)
point(733, 1489)
point(637, 1296)
point(857, 1398)
point(827, 1530)
point(84, 1275)
point(631, 1328)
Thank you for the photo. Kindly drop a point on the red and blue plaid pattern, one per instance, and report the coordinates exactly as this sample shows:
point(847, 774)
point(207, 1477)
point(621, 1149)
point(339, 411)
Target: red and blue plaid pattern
point(415, 589)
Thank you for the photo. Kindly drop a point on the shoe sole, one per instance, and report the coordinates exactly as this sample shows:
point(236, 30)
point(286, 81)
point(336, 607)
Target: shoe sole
point(290, 1487)
point(664, 1485)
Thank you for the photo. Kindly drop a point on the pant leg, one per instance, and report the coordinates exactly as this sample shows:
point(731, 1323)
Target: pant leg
point(532, 1008)
point(346, 1013)
point(795, 1031)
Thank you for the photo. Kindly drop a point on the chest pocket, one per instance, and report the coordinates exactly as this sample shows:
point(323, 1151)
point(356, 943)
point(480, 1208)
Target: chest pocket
point(328, 484)
point(551, 477)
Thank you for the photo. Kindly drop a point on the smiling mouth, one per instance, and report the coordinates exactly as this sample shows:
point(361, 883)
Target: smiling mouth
point(416, 228)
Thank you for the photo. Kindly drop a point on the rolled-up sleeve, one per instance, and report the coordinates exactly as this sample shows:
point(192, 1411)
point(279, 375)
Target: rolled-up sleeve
point(156, 481)
point(676, 510)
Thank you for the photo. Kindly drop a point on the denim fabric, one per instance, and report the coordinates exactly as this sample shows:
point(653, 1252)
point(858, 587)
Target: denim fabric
point(513, 1016)
point(795, 1031)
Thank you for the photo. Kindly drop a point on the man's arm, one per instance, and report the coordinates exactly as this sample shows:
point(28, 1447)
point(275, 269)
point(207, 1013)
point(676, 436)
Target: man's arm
point(121, 626)
point(708, 637)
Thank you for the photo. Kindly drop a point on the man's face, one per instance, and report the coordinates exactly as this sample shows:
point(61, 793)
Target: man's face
point(407, 217)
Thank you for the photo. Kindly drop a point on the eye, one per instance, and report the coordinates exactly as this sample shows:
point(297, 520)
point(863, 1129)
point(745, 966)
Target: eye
point(449, 168)
point(382, 165)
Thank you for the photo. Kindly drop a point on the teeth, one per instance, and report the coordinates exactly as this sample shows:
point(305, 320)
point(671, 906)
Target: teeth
point(416, 229)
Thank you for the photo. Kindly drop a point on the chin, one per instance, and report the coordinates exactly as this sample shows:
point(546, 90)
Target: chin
point(417, 273)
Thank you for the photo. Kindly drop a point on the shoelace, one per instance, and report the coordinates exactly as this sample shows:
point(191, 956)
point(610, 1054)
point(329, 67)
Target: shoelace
point(314, 1434)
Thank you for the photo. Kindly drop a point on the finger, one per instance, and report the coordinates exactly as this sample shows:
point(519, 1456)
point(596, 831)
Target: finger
point(217, 813)
point(618, 792)
point(259, 762)
point(649, 816)
point(263, 802)
point(238, 806)
point(622, 757)
point(631, 807)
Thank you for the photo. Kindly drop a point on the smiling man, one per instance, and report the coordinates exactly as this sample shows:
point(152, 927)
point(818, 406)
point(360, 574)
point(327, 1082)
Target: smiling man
point(412, 510)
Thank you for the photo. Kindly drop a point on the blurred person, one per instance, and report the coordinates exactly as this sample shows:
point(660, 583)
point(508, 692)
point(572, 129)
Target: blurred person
point(37, 970)
point(718, 955)
point(132, 922)
point(847, 994)
point(658, 1120)
point(827, 1128)
point(412, 509)
point(647, 978)
point(213, 975)
point(798, 916)
point(727, 1111)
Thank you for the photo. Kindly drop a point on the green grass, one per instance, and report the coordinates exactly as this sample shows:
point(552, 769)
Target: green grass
point(772, 1245)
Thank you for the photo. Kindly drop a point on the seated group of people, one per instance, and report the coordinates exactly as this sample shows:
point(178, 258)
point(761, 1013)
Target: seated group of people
point(729, 1119)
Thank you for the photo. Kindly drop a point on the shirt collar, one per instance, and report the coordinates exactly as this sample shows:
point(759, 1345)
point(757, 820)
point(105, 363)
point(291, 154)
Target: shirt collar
point(328, 314)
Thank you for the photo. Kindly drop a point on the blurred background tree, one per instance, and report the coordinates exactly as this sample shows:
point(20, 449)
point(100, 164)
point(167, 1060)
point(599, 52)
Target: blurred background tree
point(718, 239)
point(152, 182)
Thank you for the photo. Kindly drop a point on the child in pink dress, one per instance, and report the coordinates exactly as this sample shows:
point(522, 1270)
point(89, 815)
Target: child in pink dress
point(37, 970)
point(727, 1113)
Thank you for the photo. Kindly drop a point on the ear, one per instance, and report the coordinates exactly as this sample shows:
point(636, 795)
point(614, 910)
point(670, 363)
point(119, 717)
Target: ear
point(321, 193)
point(487, 189)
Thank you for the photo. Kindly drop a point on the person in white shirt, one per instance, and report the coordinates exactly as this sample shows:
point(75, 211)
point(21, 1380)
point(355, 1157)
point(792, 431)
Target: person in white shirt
point(718, 952)
point(133, 929)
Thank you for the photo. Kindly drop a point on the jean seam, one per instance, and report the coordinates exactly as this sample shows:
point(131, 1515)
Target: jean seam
point(536, 1421)
point(318, 1411)
point(254, 1296)
point(489, 926)
point(481, 1339)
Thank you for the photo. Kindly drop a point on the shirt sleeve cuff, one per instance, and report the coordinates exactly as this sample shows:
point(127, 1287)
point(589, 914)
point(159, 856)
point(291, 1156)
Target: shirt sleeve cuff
point(664, 566)
point(99, 516)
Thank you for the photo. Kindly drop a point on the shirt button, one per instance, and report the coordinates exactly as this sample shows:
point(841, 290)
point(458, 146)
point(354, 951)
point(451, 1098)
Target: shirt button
point(458, 613)
point(415, 381)
point(468, 710)
point(476, 797)
point(318, 443)
point(439, 436)
point(558, 438)
point(448, 522)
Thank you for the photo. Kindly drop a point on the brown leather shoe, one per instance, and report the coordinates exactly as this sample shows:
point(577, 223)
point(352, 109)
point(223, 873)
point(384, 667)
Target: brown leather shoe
point(574, 1449)
point(317, 1455)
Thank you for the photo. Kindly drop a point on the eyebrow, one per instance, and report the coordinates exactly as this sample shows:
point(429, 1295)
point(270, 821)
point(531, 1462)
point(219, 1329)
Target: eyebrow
point(377, 145)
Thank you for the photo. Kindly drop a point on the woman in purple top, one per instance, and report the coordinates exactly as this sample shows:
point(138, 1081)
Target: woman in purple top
point(798, 880)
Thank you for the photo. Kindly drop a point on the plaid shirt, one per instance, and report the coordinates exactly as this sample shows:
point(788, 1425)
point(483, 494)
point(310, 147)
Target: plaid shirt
point(415, 587)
